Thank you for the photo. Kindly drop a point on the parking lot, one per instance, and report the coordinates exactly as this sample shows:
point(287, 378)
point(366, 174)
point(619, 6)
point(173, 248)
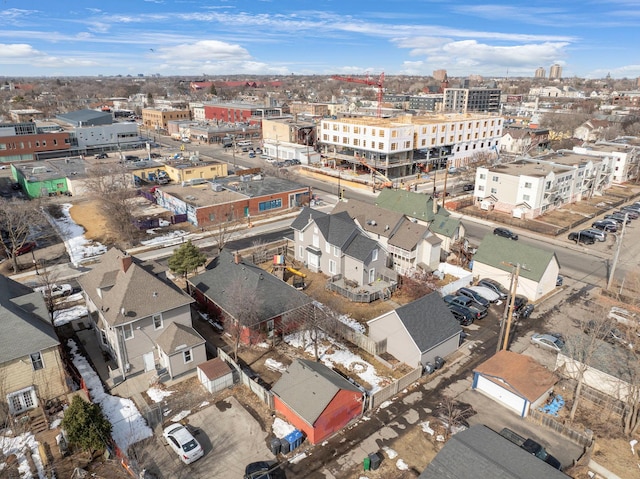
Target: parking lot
point(229, 435)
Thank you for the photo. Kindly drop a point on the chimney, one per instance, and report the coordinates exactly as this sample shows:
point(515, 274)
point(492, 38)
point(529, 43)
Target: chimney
point(237, 258)
point(126, 261)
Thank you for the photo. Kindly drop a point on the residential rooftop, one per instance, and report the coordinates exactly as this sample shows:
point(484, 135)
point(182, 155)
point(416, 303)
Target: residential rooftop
point(527, 168)
point(52, 169)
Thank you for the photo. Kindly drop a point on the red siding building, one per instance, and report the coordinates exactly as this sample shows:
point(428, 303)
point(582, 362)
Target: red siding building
point(316, 400)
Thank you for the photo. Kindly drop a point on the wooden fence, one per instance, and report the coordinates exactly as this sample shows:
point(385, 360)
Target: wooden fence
point(359, 339)
point(377, 398)
point(581, 438)
point(263, 394)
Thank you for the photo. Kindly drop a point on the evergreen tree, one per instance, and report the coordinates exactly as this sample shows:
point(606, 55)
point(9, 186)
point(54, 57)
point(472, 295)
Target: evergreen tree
point(213, 90)
point(186, 259)
point(86, 426)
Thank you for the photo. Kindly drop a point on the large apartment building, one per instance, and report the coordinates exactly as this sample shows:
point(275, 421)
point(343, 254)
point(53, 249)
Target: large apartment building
point(624, 157)
point(463, 100)
point(406, 145)
point(26, 142)
point(530, 187)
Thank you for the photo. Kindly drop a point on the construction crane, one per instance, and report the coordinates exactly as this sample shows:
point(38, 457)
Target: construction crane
point(376, 175)
point(367, 81)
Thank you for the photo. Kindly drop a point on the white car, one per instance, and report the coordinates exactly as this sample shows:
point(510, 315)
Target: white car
point(55, 290)
point(552, 342)
point(183, 443)
point(486, 293)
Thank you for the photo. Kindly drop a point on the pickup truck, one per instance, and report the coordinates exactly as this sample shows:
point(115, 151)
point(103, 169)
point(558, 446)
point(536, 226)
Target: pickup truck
point(532, 447)
point(55, 290)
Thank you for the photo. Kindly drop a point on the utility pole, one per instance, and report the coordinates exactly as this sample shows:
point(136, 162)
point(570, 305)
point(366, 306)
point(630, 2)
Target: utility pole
point(507, 316)
point(617, 253)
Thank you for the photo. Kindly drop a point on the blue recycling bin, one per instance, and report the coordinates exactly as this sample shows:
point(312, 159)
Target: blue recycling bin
point(296, 438)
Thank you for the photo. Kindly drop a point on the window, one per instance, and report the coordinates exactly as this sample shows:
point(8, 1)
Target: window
point(270, 205)
point(188, 357)
point(494, 191)
point(480, 188)
point(527, 185)
point(327, 247)
point(495, 178)
point(103, 337)
point(157, 321)
point(127, 331)
point(526, 197)
point(336, 251)
point(22, 400)
point(332, 266)
point(482, 176)
point(300, 252)
point(36, 361)
point(380, 145)
point(374, 255)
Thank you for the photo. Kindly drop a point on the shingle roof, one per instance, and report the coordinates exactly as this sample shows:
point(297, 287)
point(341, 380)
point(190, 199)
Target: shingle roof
point(501, 252)
point(428, 321)
point(137, 292)
point(308, 387)
point(481, 452)
point(337, 229)
point(360, 247)
point(518, 373)
point(24, 323)
point(215, 368)
point(275, 297)
point(413, 205)
point(408, 235)
point(371, 218)
point(177, 337)
point(307, 214)
point(444, 224)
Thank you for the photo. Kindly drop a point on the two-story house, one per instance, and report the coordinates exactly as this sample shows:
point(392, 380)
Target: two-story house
point(334, 245)
point(31, 368)
point(409, 244)
point(143, 321)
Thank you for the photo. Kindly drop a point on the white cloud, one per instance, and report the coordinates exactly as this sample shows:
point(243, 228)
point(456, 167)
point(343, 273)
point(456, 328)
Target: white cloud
point(203, 51)
point(18, 51)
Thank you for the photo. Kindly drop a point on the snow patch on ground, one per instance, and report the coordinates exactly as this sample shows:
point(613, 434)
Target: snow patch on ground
point(17, 445)
point(426, 428)
point(171, 236)
point(391, 454)
point(275, 365)
point(157, 395)
point(400, 464)
point(282, 428)
point(180, 416)
point(65, 316)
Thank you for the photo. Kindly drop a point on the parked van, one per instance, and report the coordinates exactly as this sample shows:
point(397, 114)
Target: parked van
point(244, 143)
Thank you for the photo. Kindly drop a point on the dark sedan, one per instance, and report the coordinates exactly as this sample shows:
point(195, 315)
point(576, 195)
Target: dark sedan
point(505, 233)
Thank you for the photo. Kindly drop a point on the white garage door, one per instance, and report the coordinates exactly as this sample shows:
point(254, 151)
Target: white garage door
point(501, 395)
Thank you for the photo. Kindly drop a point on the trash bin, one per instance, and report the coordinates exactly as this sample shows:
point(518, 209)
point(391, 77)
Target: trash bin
point(285, 447)
point(291, 439)
point(438, 362)
point(367, 463)
point(374, 461)
point(275, 446)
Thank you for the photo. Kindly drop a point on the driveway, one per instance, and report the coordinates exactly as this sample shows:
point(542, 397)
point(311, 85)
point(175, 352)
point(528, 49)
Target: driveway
point(230, 436)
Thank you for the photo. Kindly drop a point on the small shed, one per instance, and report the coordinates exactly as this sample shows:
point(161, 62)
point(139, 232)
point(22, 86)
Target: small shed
point(215, 375)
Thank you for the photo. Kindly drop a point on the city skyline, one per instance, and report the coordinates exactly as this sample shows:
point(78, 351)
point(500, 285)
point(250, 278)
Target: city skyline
point(183, 37)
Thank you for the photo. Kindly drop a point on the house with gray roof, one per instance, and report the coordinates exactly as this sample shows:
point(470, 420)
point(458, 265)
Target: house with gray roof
point(482, 452)
point(141, 319)
point(228, 278)
point(419, 331)
point(316, 400)
point(424, 210)
point(410, 245)
point(497, 256)
point(30, 362)
point(334, 245)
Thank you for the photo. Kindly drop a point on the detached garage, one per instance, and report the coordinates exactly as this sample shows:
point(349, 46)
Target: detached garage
point(215, 375)
point(515, 381)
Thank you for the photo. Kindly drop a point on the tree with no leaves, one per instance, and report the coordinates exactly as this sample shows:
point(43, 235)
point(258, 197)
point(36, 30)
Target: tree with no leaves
point(111, 185)
point(18, 218)
point(247, 315)
point(46, 281)
point(186, 259)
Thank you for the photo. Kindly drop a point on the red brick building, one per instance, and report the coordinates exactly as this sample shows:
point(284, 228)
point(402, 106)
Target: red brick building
point(240, 113)
point(23, 142)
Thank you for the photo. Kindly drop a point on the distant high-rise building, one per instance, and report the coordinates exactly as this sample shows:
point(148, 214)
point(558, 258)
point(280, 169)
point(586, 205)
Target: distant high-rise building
point(439, 75)
point(540, 73)
point(462, 100)
point(555, 72)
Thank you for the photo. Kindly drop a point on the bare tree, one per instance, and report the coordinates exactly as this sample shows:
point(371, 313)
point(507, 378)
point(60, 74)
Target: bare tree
point(247, 313)
point(224, 228)
point(453, 414)
point(112, 186)
point(18, 219)
point(47, 286)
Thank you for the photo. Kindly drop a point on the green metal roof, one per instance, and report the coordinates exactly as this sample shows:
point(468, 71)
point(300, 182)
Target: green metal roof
point(444, 224)
point(413, 205)
point(501, 252)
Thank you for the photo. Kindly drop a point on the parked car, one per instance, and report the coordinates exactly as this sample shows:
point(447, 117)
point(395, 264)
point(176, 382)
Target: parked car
point(27, 247)
point(505, 233)
point(559, 280)
point(609, 227)
point(547, 341)
point(252, 155)
point(101, 156)
point(630, 214)
point(620, 218)
point(263, 470)
point(438, 194)
point(494, 286)
point(487, 293)
point(463, 315)
point(634, 207)
point(477, 297)
point(526, 311)
point(580, 237)
point(519, 304)
point(55, 290)
point(468, 187)
point(599, 235)
point(183, 443)
point(478, 311)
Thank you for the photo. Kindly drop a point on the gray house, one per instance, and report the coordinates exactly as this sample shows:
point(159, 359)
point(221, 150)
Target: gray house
point(334, 245)
point(143, 321)
point(410, 245)
point(481, 452)
point(419, 331)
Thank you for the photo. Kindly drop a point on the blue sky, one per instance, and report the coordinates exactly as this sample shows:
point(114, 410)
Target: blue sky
point(280, 37)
